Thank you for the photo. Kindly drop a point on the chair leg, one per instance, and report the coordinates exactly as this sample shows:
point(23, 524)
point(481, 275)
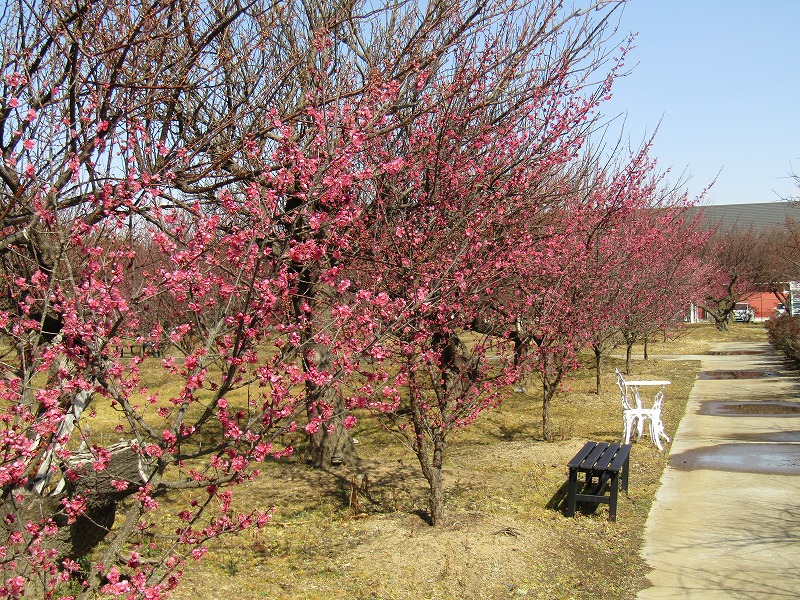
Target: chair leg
point(612, 501)
point(655, 433)
point(629, 421)
point(661, 430)
point(640, 426)
point(625, 473)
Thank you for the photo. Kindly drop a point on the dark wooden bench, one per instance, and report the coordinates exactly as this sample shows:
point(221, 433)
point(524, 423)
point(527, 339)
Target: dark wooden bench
point(138, 349)
point(603, 465)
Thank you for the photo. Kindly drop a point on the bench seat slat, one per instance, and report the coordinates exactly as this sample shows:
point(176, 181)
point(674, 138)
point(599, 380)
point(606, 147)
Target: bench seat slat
point(619, 460)
point(590, 461)
point(604, 460)
point(592, 498)
point(581, 455)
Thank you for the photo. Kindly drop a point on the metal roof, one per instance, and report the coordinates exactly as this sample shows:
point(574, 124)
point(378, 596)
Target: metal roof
point(745, 216)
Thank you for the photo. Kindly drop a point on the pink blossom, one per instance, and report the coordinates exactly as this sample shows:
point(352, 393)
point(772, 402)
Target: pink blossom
point(393, 167)
point(74, 507)
point(16, 585)
point(154, 450)
point(119, 485)
point(14, 79)
point(102, 458)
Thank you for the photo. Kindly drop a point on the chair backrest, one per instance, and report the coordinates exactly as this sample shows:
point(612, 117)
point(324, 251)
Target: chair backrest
point(623, 390)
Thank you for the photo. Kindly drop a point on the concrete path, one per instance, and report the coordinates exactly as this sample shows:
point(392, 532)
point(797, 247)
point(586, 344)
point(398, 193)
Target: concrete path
point(726, 520)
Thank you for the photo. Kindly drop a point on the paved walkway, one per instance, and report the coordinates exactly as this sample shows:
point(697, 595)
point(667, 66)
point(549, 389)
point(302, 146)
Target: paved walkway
point(726, 519)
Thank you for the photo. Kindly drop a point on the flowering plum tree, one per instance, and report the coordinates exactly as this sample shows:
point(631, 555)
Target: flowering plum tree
point(463, 199)
point(96, 155)
point(776, 258)
point(668, 281)
point(554, 305)
point(582, 285)
point(266, 194)
point(636, 256)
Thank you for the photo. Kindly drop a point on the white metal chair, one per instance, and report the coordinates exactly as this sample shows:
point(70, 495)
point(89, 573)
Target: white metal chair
point(657, 430)
point(636, 415)
point(630, 415)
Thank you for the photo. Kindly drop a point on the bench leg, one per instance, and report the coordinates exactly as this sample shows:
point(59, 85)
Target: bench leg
point(612, 502)
point(625, 471)
point(572, 491)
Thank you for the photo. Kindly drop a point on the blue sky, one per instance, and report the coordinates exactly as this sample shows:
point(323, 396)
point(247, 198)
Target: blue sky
point(723, 79)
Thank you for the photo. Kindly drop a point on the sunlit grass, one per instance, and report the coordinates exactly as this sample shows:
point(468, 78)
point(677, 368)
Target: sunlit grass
point(504, 536)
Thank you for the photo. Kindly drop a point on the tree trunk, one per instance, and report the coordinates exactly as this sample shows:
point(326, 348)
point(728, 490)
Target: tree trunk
point(646, 340)
point(430, 460)
point(76, 539)
point(436, 484)
point(628, 352)
point(598, 368)
point(547, 395)
point(332, 444)
point(721, 314)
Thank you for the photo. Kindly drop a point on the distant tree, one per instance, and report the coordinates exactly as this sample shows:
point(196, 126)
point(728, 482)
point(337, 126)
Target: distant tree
point(733, 271)
point(556, 319)
point(776, 255)
point(667, 282)
point(631, 252)
point(580, 284)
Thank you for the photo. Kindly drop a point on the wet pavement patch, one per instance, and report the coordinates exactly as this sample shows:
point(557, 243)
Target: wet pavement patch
point(785, 437)
point(735, 374)
point(768, 458)
point(738, 353)
point(749, 409)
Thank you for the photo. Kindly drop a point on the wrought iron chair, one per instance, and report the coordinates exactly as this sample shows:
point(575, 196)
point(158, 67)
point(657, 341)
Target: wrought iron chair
point(631, 416)
point(636, 415)
point(657, 430)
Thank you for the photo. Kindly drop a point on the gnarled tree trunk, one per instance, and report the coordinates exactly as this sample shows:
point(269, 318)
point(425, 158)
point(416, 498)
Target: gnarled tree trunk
point(332, 444)
point(77, 536)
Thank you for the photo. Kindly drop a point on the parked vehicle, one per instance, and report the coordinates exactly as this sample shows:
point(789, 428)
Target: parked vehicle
point(780, 310)
point(743, 312)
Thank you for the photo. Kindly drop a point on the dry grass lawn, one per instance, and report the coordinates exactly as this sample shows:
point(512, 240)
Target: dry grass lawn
point(505, 537)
